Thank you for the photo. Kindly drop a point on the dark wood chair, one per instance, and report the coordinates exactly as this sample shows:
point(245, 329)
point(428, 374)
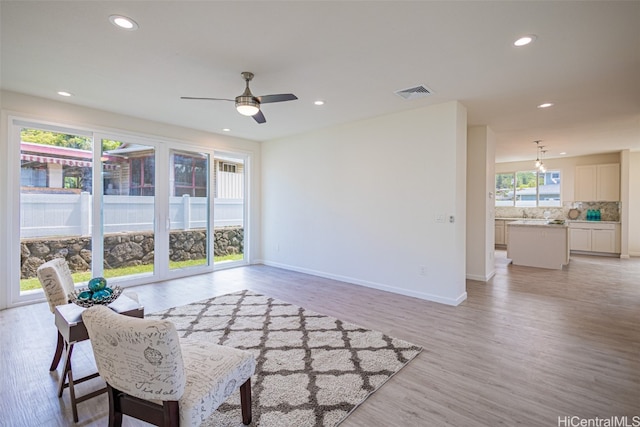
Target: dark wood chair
point(144, 361)
point(57, 283)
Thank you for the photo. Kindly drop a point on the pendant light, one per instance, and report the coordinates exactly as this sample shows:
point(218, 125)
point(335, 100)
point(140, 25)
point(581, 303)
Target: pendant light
point(539, 163)
point(541, 168)
point(538, 148)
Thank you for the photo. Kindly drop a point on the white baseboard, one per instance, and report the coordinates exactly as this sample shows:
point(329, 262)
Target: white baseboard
point(368, 284)
point(481, 278)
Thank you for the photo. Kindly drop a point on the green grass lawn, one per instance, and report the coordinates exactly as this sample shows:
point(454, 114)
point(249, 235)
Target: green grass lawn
point(34, 283)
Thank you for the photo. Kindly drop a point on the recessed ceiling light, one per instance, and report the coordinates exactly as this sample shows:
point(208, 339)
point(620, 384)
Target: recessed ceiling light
point(562, 153)
point(546, 105)
point(524, 40)
point(226, 130)
point(319, 102)
point(123, 22)
point(63, 93)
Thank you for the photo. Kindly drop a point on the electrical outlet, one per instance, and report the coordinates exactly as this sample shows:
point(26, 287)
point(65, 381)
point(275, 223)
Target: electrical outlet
point(423, 270)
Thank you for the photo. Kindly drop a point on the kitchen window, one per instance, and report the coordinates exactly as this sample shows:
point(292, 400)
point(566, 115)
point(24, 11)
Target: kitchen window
point(528, 188)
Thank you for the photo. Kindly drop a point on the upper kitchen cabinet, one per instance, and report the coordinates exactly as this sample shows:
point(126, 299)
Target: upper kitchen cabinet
point(598, 183)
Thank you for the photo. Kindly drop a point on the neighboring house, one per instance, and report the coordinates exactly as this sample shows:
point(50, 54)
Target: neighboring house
point(546, 192)
point(57, 169)
point(127, 170)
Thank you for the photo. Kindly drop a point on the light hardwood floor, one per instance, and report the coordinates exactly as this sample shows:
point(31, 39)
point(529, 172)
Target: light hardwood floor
point(525, 348)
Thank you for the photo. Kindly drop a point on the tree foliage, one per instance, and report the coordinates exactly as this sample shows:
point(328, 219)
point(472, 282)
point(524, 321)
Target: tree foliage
point(54, 138)
point(44, 137)
point(110, 144)
point(526, 179)
point(504, 180)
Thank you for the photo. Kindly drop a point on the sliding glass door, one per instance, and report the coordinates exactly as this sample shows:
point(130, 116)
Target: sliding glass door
point(189, 209)
point(229, 209)
point(129, 208)
point(55, 193)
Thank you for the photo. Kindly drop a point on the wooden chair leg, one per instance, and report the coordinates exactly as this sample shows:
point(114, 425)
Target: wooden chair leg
point(72, 396)
point(245, 401)
point(115, 411)
point(58, 354)
point(171, 413)
point(65, 369)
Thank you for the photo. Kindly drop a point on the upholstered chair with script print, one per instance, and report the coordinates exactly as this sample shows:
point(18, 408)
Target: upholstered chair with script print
point(144, 360)
point(57, 284)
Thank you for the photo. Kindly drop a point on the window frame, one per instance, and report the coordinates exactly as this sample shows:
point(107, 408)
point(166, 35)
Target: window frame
point(513, 201)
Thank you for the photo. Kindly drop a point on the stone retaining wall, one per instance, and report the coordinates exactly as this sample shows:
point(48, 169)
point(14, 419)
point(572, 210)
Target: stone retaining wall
point(127, 249)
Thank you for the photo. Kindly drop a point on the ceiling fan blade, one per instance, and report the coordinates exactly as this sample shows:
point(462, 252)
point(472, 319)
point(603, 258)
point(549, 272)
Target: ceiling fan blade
point(207, 99)
point(265, 99)
point(259, 117)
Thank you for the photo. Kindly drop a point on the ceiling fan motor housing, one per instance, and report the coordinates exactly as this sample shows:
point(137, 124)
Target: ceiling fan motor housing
point(247, 105)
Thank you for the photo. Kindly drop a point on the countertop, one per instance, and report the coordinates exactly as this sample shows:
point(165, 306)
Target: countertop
point(541, 220)
point(535, 223)
point(593, 222)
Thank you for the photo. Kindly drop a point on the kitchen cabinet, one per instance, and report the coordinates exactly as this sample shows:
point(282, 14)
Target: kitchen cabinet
point(594, 237)
point(604, 241)
point(502, 231)
point(597, 183)
point(499, 230)
point(580, 239)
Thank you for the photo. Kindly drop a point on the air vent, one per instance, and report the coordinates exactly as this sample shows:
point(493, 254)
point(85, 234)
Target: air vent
point(414, 92)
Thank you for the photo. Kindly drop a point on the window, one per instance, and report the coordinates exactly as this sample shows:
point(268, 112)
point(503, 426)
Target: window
point(528, 189)
point(142, 176)
point(227, 167)
point(33, 176)
point(504, 189)
point(190, 174)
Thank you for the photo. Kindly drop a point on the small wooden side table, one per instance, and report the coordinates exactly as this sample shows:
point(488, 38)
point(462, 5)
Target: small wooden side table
point(68, 318)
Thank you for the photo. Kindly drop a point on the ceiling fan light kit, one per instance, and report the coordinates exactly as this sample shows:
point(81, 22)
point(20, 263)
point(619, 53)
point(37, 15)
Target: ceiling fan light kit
point(249, 105)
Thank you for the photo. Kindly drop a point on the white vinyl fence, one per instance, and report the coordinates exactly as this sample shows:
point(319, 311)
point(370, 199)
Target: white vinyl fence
point(46, 215)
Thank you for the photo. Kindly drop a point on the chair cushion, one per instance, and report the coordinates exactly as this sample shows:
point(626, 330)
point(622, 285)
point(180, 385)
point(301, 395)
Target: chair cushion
point(213, 373)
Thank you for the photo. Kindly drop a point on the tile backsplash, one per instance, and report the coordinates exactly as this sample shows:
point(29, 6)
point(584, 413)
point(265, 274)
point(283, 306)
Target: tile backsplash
point(610, 211)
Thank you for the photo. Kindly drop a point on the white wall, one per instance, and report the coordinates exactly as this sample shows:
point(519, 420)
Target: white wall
point(28, 107)
point(359, 202)
point(634, 203)
point(480, 203)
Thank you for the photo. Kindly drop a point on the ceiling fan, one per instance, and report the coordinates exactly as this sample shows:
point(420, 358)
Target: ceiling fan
point(249, 105)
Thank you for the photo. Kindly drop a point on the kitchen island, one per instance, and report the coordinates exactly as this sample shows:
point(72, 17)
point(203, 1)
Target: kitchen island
point(538, 244)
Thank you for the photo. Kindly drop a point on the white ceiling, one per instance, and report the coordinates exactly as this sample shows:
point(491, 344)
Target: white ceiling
point(352, 54)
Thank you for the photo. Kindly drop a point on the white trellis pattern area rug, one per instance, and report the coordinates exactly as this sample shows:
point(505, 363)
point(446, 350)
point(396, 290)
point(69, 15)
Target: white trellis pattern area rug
point(312, 370)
